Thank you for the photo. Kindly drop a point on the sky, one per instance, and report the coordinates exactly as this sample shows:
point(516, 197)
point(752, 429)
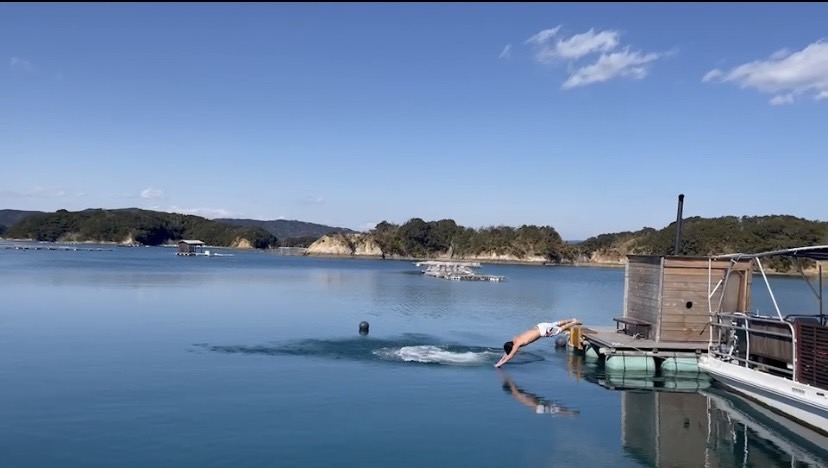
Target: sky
point(590, 118)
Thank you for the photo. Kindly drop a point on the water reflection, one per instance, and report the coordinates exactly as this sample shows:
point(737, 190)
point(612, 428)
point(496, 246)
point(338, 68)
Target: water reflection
point(689, 422)
point(537, 403)
point(713, 428)
point(756, 436)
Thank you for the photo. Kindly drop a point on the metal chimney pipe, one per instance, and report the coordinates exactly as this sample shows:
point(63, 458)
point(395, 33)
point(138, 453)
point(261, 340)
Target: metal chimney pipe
point(677, 246)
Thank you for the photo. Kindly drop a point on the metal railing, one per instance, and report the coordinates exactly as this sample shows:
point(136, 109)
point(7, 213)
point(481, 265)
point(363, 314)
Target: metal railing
point(741, 321)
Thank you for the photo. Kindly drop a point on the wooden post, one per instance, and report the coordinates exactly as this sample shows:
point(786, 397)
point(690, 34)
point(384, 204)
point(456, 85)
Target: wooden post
point(575, 338)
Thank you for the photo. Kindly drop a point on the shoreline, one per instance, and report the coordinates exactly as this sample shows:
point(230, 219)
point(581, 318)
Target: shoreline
point(484, 261)
point(117, 244)
point(481, 260)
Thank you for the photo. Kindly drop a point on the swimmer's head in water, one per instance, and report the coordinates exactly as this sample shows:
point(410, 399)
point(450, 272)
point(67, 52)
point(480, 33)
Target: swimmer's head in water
point(507, 346)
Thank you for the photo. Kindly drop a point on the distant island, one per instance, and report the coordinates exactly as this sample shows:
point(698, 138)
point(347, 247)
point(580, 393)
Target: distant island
point(420, 239)
point(444, 239)
point(129, 226)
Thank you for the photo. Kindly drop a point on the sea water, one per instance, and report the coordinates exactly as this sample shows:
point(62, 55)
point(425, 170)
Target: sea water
point(136, 357)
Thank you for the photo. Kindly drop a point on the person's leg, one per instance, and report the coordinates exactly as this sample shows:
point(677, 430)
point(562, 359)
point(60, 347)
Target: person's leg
point(567, 324)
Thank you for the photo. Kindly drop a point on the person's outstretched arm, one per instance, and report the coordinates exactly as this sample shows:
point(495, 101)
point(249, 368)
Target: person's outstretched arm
point(509, 356)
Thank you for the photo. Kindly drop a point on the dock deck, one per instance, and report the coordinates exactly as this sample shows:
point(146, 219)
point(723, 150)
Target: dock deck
point(608, 341)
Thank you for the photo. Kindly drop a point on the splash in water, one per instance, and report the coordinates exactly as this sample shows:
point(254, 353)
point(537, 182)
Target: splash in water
point(440, 354)
point(411, 348)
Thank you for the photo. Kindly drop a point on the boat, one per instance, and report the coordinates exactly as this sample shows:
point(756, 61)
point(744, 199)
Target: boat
point(781, 360)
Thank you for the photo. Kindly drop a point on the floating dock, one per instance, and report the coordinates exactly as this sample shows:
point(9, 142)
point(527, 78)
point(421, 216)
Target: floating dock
point(63, 248)
point(206, 253)
point(456, 271)
point(623, 352)
point(664, 325)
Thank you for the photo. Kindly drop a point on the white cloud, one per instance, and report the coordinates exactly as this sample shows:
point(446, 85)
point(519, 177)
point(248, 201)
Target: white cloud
point(782, 99)
point(544, 36)
point(506, 51)
point(150, 193)
point(365, 227)
point(549, 48)
point(612, 62)
point(625, 64)
point(787, 75)
point(317, 200)
point(42, 192)
point(19, 64)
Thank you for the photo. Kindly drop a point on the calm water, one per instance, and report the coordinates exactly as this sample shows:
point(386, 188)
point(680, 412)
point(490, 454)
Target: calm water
point(136, 357)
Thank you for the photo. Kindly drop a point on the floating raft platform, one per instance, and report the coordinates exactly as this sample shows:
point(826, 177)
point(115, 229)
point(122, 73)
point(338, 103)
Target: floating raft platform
point(456, 271)
point(202, 254)
point(63, 248)
point(623, 352)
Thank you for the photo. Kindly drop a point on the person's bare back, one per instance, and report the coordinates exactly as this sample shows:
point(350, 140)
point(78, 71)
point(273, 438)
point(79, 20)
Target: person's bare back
point(543, 329)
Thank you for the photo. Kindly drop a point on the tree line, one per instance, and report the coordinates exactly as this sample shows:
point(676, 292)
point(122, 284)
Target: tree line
point(713, 236)
point(422, 239)
point(142, 226)
point(700, 237)
point(418, 238)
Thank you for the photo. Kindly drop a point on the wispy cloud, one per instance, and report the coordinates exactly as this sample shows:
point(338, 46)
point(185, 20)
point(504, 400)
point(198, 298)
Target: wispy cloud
point(365, 227)
point(787, 75)
point(21, 65)
point(613, 61)
point(626, 64)
point(506, 51)
point(42, 192)
point(151, 193)
point(549, 47)
point(312, 200)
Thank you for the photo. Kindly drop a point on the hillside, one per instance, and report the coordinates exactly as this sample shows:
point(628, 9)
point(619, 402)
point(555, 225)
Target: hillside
point(133, 225)
point(287, 228)
point(10, 217)
point(445, 239)
point(711, 236)
point(417, 238)
point(289, 232)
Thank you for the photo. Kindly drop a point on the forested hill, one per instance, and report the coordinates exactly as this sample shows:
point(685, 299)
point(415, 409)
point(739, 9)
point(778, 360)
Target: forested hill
point(10, 217)
point(418, 238)
point(287, 228)
point(711, 236)
point(700, 236)
point(287, 231)
point(130, 225)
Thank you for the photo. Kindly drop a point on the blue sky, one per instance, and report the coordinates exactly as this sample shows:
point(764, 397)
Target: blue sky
point(590, 118)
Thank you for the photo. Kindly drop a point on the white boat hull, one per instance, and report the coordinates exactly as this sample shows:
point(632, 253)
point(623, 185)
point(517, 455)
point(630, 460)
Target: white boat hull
point(802, 403)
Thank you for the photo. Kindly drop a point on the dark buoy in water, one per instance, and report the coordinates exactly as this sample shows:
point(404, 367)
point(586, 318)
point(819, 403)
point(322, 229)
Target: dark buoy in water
point(561, 340)
point(363, 328)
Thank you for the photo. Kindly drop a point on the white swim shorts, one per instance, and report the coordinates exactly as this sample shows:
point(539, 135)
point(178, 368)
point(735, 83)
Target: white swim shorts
point(549, 329)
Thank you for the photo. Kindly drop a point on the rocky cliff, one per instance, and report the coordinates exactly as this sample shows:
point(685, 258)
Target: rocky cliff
point(364, 245)
point(241, 243)
point(346, 244)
